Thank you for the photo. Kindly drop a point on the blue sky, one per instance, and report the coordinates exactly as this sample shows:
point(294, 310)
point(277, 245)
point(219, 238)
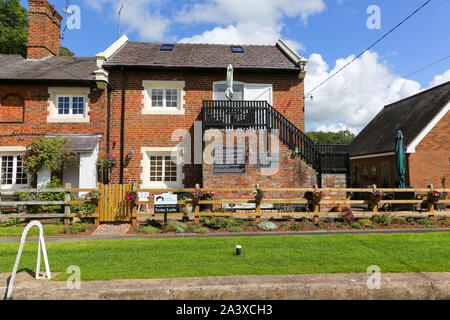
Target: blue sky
point(327, 32)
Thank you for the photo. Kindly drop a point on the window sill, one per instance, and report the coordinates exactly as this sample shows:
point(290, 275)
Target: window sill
point(162, 185)
point(163, 111)
point(68, 119)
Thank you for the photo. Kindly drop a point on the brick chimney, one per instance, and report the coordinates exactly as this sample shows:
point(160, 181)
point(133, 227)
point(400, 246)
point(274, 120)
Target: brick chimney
point(44, 29)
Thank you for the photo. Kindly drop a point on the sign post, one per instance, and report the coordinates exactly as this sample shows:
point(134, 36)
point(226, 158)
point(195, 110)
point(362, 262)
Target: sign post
point(166, 203)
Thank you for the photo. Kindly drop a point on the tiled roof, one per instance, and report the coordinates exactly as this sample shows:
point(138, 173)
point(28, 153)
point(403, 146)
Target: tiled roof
point(15, 67)
point(186, 55)
point(410, 115)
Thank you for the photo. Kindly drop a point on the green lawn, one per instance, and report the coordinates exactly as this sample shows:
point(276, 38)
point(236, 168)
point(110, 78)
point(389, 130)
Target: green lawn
point(16, 231)
point(149, 258)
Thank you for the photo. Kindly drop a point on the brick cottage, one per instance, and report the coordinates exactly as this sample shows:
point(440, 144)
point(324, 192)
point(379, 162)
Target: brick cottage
point(151, 105)
point(424, 120)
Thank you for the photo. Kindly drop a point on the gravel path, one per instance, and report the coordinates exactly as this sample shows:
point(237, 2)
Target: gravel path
point(110, 229)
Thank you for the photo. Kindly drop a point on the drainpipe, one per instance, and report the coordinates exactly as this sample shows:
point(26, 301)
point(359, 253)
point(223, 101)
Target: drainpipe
point(108, 125)
point(122, 127)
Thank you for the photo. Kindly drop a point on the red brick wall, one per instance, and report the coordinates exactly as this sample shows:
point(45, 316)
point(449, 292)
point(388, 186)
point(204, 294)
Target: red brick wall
point(11, 108)
point(370, 162)
point(35, 123)
point(43, 30)
point(156, 130)
point(430, 164)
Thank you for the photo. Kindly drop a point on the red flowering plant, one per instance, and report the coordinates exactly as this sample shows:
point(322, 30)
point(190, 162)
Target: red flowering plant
point(198, 195)
point(434, 196)
point(376, 195)
point(92, 197)
point(317, 196)
point(131, 197)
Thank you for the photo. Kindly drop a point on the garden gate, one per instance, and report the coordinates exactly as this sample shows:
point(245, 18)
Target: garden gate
point(112, 205)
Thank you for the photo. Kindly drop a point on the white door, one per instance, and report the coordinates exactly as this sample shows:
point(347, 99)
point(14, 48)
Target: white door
point(258, 92)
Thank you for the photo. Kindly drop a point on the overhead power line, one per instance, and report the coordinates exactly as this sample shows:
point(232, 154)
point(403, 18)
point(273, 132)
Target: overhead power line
point(426, 67)
point(370, 47)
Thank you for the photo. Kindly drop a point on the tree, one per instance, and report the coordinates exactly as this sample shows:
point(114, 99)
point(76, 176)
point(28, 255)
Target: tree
point(13, 27)
point(341, 137)
point(66, 52)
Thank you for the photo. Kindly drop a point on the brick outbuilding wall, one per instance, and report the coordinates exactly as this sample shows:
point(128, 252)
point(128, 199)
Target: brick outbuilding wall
point(156, 130)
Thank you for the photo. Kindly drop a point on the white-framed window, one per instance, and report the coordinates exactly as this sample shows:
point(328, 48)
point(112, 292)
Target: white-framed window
point(71, 105)
point(244, 91)
point(162, 167)
point(12, 172)
point(163, 97)
point(68, 104)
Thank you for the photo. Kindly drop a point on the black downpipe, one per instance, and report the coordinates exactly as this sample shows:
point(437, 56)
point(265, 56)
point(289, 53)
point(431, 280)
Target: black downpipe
point(122, 128)
point(108, 125)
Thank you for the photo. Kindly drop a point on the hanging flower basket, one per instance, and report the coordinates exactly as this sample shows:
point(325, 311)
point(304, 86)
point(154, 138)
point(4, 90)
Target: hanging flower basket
point(434, 196)
point(131, 197)
point(317, 196)
point(198, 195)
point(258, 194)
point(376, 195)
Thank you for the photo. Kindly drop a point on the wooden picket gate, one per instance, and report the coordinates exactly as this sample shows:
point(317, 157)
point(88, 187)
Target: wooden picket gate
point(112, 206)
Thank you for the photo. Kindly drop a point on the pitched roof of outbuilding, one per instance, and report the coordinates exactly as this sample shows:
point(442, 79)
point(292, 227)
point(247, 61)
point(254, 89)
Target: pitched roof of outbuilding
point(188, 55)
point(15, 67)
point(410, 115)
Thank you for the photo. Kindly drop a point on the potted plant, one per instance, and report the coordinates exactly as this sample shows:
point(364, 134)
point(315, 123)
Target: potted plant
point(317, 196)
point(434, 196)
point(198, 195)
point(131, 197)
point(105, 164)
point(376, 195)
point(258, 194)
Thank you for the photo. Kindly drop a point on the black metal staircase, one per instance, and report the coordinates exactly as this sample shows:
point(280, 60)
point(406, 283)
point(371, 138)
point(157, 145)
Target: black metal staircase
point(223, 114)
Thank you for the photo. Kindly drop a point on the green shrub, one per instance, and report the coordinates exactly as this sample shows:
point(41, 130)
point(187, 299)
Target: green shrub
point(318, 223)
point(399, 221)
point(370, 226)
point(236, 229)
point(217, 222)
point(237, 222)
point(411, 220)
point(384, 219)
point(267, 226)
point(75, 228)
point(173, 226)
point(356, 226)
point(193, 228)
point(295, 227)
point(283, 225)
point(364, 222)
point(329, 220)
point(55, 183)
point(340, 226)
point(446, 221)
point(250, 223)
point(154, 223)
point(427, 223)
point(11, 223)
point(147, 229)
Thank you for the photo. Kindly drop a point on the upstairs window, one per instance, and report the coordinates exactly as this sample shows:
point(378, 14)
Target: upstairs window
point(164, 97)
point(12, 173)
point(166, 47)
point(70, 105)
point(237, 49)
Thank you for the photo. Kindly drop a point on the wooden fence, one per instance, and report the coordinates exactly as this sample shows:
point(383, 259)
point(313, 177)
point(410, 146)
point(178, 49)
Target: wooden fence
point(112, 206)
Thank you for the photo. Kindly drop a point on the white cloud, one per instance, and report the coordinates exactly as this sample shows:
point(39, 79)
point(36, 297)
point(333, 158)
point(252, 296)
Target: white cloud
point(247, 22)
point(140, 16)
point(335, 127)
point(355, 95)
point(440, 79)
